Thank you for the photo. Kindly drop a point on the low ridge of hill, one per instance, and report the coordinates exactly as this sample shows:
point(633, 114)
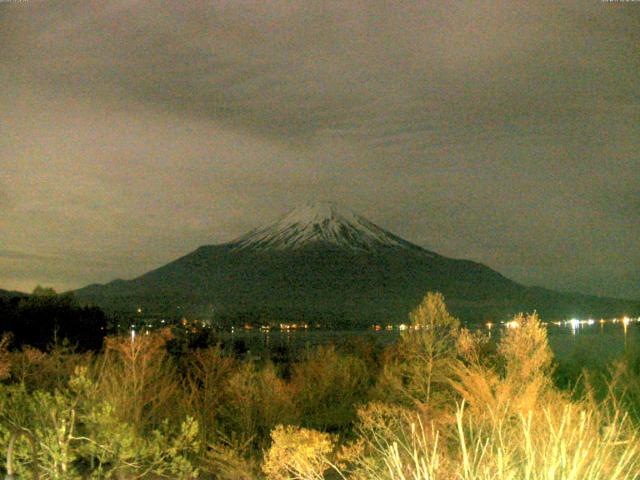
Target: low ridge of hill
point(11, 294)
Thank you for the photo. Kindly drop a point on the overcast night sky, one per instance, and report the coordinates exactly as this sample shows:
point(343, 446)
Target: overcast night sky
point(133, 132)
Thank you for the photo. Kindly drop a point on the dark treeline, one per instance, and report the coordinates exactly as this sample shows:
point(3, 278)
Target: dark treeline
point(44, 318)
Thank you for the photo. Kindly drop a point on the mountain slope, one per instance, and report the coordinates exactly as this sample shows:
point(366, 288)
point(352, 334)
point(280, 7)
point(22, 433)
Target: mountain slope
point(324, 263)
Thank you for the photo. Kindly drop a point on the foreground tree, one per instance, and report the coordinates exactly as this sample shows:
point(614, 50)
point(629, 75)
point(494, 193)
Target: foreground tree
point(419, 373)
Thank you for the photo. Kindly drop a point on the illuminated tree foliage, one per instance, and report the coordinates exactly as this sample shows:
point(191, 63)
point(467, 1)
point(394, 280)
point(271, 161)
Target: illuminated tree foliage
point(442, 403)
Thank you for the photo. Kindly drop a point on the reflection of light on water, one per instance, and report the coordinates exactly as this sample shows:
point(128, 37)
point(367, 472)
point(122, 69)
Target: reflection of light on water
point(598, 344)
point(625, 326)
point(489, 326)
point(574, 323)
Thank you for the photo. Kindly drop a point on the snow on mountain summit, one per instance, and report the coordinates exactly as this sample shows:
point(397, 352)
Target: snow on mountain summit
point(322, 223)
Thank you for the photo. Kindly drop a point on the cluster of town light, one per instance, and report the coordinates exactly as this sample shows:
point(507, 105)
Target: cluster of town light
point(574, 323)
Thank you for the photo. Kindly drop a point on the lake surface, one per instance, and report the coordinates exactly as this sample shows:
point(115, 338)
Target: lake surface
point(596, 343)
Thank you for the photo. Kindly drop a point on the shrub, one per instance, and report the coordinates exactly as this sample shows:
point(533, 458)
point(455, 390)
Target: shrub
point(298, 454)
point(517, 380)
point(77, 435)
point(47, 370)
point(563, 442)
point(206, 372)
point(254, 402)
point(5, 357)
point(327, 388)
point(392, 443)
point(567, 443)
point(138, 377)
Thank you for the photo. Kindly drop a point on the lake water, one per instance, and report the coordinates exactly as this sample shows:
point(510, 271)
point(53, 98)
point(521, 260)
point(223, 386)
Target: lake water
point(597, 343)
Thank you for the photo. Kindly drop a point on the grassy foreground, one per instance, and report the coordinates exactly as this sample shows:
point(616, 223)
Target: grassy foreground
point(443, 403)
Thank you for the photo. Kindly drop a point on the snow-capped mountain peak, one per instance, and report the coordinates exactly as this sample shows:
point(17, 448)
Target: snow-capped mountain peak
point(321, 223)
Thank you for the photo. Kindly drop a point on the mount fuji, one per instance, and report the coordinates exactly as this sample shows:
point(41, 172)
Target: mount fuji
point(324, 263)
point(322, 224)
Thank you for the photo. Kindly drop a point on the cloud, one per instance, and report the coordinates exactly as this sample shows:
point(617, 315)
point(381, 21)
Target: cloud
point(291, 70)
point(12, 254)
point(496, 131)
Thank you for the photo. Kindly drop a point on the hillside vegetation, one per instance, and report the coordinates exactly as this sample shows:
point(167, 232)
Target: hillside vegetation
point(443, 403)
